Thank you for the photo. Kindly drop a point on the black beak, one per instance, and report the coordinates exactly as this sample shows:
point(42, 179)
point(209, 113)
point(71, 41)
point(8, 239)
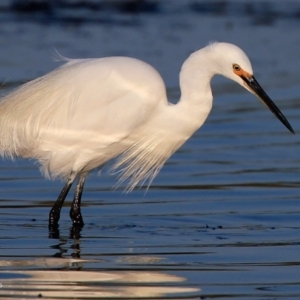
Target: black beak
point(260, 93)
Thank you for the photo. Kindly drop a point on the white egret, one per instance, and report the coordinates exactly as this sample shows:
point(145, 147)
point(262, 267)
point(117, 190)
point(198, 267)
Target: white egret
point(89, 111)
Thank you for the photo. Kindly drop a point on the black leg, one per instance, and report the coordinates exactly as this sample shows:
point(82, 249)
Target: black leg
point(55, 211)
point(75, 212)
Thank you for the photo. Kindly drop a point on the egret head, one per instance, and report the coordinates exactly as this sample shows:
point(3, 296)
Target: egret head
point(234, 64)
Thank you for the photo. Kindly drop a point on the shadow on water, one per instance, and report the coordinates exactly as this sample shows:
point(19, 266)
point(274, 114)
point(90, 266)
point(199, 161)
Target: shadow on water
point(60, 277)
point(66, 284)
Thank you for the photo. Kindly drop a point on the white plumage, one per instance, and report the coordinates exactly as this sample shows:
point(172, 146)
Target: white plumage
point(90, 111)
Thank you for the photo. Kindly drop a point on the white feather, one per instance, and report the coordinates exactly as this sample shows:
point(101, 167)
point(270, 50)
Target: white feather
point(89, 111)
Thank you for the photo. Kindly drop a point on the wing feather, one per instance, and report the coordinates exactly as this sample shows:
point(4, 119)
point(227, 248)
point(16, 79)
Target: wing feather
point(79, 110)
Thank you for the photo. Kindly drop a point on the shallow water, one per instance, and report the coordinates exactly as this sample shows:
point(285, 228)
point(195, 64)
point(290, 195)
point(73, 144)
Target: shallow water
point(220, 221)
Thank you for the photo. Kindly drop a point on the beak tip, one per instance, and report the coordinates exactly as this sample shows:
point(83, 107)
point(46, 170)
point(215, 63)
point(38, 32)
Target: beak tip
point(290, 128)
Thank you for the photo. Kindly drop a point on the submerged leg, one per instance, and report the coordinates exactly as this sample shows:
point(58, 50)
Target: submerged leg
point(55, 211)
point(75, 212)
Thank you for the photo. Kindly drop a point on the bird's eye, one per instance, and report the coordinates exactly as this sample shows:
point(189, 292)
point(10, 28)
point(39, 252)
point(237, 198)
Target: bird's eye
point(236, 67)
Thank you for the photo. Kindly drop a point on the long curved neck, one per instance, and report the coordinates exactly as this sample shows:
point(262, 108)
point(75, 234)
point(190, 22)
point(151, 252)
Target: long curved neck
point(196, 95)
point(172, 125)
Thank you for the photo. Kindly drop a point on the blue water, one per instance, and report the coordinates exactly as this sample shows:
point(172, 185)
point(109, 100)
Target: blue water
point(221, 220)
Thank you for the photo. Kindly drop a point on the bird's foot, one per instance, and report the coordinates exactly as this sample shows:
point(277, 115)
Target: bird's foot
point(54, 216)
point(76, 218)
point(75, 233)
point(54, 231)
